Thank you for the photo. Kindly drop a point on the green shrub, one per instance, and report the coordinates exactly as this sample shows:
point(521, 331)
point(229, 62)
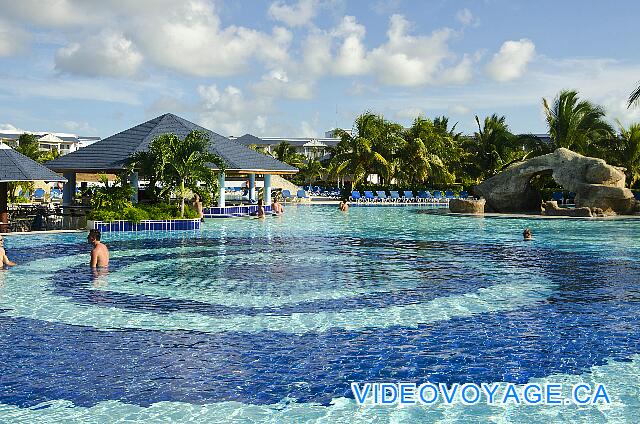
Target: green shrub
point(142, 212)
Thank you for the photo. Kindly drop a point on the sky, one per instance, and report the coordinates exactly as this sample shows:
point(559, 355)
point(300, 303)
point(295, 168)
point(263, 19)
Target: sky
point(299, 68)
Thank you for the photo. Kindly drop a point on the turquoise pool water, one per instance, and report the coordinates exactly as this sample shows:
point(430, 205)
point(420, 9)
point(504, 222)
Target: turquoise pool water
point(271, 320)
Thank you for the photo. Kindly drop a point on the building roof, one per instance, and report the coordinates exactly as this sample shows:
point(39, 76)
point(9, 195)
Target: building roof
point(111, 153)
point(249, 139)
point(14, 166)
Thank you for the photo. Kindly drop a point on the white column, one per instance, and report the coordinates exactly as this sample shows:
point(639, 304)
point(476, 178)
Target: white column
point(252, 187)
point(133, 180)
point(221, 203)
point(69, 189)
point(266, 194)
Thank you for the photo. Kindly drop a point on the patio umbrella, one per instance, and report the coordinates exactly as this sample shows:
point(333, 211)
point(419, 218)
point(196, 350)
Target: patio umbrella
point(15, 166)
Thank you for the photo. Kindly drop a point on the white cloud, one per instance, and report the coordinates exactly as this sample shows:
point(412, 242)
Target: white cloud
point(82, 127)
point(466, 18)
point(13, 40)
point(230, 112)
point(409, 113)
point(351, 58)
point(277, 84)
point(9, 127)
point(459, 109)
point(53, 13)
point(80, 89)
point(408, 60)
point(297, 15)
point(461, 73)
point(106, 54)
point(308, 130)
point(192, 40)
point(511, 61)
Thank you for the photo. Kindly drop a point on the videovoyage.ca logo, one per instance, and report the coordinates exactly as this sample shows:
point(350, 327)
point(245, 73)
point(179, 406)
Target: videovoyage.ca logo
point(398, 393)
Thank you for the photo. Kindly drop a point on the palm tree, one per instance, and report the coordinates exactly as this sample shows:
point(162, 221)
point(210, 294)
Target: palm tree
point(286, 153)
point(184, 162)
point(493, 147)
point(634, 97)
point(28, 145)
point(313, 170)
point(426, 143)
point(417, 164)
point(628, 150)
point(575, 124)
point(359, 154)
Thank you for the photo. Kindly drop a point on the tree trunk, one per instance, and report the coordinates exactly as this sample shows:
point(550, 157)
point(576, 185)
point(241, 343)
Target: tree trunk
point(181, 198)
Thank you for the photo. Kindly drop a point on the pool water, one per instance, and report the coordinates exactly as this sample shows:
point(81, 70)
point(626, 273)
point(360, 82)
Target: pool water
point(271, 320)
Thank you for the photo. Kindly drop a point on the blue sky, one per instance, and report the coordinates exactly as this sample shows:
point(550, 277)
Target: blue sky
point(299, 68)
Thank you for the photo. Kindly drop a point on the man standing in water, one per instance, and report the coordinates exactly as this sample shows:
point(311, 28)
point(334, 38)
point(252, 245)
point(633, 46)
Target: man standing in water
point(99, 252)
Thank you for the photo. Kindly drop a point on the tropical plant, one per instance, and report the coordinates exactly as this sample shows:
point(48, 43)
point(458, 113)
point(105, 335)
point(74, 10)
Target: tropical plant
point(634, 97)
point(627, 152)
point(420, 156)
point(312, 171)
point(286, 153)
point(575, 124)
point(493, 147)
point(179, 164)
point(28, 145)
point(357, 155)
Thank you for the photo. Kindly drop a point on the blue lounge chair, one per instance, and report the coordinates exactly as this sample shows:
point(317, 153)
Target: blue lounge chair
point(449, 194)
point(38, 194)
point(437, 196)
point(558, 196)
point(394, 195)
point(355, 196)
point(302, 194)
point(636, 195)
point(56, 193)
point(464, 194)
point(369, 197)
point(408, 196)
point(571, 198)
point(286, 195)
point(382, 195)
point(425, 196)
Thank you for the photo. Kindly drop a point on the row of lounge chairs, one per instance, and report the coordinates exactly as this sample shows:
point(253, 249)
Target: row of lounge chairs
point(39, 194)
point(407, 196)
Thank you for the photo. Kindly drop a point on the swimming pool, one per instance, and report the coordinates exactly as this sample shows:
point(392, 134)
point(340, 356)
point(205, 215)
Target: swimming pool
point(271, 320)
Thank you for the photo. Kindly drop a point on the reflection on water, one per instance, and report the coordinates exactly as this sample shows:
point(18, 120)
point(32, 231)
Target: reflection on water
point(100, 278)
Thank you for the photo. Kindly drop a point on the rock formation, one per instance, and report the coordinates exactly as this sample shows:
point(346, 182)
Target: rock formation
point(596, 184)
point(467, 206)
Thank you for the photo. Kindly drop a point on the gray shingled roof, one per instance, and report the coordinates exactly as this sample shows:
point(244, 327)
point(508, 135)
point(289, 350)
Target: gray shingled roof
point(249, 139)
point(110, 154)
point(15, 166)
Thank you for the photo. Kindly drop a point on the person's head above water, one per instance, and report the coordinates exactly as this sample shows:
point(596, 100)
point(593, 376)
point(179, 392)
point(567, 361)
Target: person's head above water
point(527, 234)
point(94, 235)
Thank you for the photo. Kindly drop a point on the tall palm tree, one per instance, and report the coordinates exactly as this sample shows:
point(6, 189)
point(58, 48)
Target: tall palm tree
point(313, 170)
point(184, 162)
point(493, 147)
point(629, 151)
point(355, 156)
point(425, 151)
point(28, 145)
point(417, 164)
point(575, 124)
point(634, 97)
point(286, 153)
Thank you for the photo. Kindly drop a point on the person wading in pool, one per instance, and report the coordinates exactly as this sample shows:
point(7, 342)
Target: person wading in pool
point(99, 252)
point(344, 205)
point(276, 207)
point(4, 260)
